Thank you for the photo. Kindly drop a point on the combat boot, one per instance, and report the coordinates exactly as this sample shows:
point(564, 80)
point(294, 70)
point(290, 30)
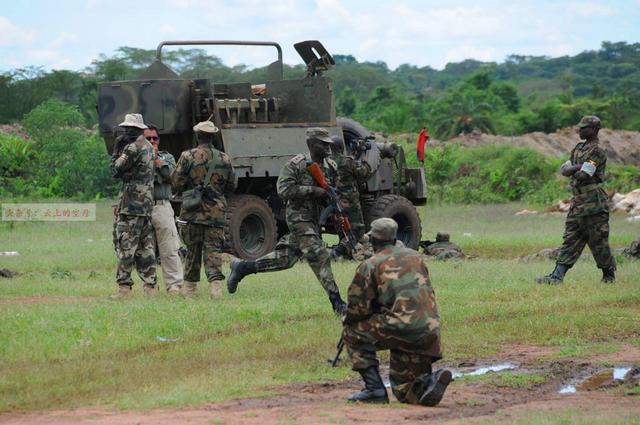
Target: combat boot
point(338, 304)
point(174, 290)
point(435, 387)
point(150, 290)
point(373, 391)
point(556, 277)
point(239, 269)
point(608, 275)
point(124, 291)
point(189, 289)
point(216, 289)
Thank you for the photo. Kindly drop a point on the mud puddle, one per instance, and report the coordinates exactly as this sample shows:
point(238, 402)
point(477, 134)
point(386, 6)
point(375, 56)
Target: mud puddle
point(603, 378)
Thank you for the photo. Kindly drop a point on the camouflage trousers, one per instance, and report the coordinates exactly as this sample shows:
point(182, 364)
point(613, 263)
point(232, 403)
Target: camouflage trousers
point(135, 246)
point(302, 242)
point(204, 245)
point(410, 357)
point(350, 203)
point(592, 230)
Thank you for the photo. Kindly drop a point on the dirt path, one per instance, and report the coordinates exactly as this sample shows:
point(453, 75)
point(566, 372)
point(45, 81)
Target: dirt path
point(475, 400)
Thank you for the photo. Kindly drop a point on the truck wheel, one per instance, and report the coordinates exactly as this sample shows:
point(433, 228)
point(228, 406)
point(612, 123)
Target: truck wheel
point(403, 212)
point(250, 230)
point(351, 129)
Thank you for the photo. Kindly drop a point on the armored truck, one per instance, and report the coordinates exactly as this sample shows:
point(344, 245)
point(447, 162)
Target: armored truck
point(262, 126)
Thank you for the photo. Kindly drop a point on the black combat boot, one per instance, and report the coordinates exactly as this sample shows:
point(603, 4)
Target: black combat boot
point(339, 251)
point(608, 275)
point(338, 304)
point(239, 269)
point(435, 387)
point(374, 390)
point(556, 277)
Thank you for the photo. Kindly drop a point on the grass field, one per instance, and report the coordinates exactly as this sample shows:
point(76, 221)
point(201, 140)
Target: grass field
point(63, 345)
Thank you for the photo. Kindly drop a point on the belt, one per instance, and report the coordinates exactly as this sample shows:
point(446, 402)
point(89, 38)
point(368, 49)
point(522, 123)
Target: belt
point(588, 188)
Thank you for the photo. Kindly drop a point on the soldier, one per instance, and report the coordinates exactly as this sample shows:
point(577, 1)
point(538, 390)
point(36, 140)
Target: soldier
point(133, 164)
point(350, 172)
point(304, 203)
point(588, 218)
point(208, 172)
point(633, 250)
point(392, 306)
point(443, 248)
point(162, 218)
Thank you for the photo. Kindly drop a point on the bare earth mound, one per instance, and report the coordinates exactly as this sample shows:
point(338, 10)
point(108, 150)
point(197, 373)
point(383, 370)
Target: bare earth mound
point(623, 147)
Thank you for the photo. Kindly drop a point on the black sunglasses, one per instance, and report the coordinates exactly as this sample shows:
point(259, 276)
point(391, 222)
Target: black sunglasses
point(154, 138)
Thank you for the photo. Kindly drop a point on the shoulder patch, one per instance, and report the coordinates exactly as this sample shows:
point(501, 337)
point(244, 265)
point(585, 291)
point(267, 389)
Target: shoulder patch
point(332, 164)
point(297, 159)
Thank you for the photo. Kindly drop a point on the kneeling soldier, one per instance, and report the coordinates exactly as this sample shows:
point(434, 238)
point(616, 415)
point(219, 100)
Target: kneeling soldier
point(392, 306)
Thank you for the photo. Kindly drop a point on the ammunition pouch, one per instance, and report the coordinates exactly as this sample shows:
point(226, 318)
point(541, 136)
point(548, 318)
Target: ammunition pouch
point(192, 199)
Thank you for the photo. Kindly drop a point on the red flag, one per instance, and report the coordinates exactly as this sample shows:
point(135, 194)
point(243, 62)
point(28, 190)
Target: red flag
point(422, 140)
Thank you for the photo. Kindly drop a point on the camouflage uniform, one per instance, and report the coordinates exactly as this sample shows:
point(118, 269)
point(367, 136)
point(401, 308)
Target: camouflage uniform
point(633, 250)
point(350, 172)
point(392, 306)
point(302, 214)
point(204, 232)
point(588, 218)
point(133, 231)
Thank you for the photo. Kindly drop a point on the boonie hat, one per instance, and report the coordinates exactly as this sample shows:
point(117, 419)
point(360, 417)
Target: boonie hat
point(319, 133)
point(133, 120)
point(589, 121)
point(384, 229)
point(205, 127)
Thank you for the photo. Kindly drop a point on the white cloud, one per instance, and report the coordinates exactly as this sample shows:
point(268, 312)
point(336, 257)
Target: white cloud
point(13, 35)
point(591, 9)
point(168, 30)
point(64, 38)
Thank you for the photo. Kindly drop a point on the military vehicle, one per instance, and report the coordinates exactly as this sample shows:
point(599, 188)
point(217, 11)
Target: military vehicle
point(262, 126)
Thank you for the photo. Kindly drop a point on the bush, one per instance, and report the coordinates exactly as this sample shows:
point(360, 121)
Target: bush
point(61, 159)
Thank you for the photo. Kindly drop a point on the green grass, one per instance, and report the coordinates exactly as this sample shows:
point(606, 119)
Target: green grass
point(82, 350)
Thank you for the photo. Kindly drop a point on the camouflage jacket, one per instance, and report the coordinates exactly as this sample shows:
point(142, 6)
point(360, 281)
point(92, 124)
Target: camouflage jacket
point(295, 186)
point(350, 172)
point(191, 171)
point(588, 196)
point(392, 290)
point(162, 180)
point(135, 167)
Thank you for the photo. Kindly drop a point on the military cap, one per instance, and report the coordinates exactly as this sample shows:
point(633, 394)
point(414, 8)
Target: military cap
point(319, 133)
point(589, 121)
point(205, 127)
point(133, 120)
point(384, 229)
point(442, 237)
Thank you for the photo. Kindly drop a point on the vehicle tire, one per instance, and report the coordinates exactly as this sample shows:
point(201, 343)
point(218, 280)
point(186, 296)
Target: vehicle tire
point(251, 230)
point(403, 212)
point(351, 129)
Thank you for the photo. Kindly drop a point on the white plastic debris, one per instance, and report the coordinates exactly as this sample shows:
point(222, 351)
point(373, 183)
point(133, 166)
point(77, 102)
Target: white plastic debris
point(9, 253)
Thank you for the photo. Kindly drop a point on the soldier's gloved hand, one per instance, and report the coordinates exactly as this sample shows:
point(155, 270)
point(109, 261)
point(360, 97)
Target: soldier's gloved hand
point(319, 193)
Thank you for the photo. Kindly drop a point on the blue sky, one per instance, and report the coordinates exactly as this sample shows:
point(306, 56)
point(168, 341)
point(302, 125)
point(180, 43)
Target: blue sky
point(70, 34)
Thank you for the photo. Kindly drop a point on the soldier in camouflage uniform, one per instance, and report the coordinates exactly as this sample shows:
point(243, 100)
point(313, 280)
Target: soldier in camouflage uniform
point(133, 164)
point(633, 250)
point(203, 231)
point(392, 306)
point(588, 218)
point(304, 202)
point(350, 172)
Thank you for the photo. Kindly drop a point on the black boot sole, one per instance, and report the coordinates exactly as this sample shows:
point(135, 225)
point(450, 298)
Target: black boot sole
point(435, 392)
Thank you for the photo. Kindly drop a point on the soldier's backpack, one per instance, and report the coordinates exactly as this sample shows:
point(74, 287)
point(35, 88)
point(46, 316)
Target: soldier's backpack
point(192, 198)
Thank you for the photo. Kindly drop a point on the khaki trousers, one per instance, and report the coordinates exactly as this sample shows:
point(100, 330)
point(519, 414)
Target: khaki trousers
point(164, 227)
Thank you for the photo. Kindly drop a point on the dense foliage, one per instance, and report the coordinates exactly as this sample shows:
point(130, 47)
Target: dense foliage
point(60, 159)
point(523, 94)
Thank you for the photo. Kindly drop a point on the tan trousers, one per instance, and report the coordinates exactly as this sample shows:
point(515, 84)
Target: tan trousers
point(164, 227)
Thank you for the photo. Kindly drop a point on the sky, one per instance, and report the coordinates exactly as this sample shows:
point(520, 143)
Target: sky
point(70, 34)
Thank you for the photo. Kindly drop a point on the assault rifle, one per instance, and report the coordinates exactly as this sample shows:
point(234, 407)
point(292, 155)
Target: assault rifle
point(339, 348)
point(344, 229)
